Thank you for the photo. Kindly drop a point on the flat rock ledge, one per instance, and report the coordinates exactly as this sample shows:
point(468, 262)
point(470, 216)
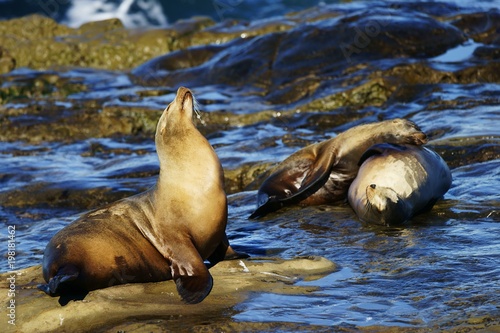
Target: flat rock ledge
point(133, 307)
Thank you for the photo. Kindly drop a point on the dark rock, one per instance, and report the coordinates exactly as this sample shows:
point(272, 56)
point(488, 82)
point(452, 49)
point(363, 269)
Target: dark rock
point(482, 27)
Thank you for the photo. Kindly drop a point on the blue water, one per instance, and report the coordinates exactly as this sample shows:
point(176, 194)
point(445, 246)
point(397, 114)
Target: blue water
point(134, 13)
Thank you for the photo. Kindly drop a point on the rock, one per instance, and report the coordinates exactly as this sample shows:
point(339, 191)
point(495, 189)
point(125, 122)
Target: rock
point(481, 26)
point(39, 42)
point(7, 63)
point(278, 65)
point(127, 305)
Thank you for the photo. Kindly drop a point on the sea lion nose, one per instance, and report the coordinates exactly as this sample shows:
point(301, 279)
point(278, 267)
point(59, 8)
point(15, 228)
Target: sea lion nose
point(373, 186)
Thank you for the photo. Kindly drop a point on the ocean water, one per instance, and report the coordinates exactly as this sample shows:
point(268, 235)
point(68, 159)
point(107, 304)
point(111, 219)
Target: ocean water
point(135, 13)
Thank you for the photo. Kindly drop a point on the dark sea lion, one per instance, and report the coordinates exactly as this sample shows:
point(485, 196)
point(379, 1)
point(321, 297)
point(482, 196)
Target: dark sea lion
point(396, 182)
point(321, 173)
point(164, 233)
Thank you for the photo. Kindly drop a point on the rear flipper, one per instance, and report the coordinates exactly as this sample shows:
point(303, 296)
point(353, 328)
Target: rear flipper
point(225, 252)
point(57, 283)
point(232, 254)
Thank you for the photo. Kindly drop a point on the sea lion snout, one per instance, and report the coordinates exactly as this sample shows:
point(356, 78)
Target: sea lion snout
point(184, 99)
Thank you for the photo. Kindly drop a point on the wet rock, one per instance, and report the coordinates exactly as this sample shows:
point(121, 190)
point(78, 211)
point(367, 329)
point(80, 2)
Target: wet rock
point(52, 122)
point(39, 42)
point(246, 177)
point(361, 36)
point(231, 29)
point(66, 195)
point(7, 63)
point(276, 65)
point(241, 62)
point(465, 151)
point(487, 52)
point(373, 92)
point(123, 306)
point(482, 27)
point(436, 9)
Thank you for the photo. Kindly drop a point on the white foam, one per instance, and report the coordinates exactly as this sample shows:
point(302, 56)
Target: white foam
point(133, 13)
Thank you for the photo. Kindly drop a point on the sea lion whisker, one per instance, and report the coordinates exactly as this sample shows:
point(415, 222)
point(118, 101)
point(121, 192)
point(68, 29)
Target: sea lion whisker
point(197, 108)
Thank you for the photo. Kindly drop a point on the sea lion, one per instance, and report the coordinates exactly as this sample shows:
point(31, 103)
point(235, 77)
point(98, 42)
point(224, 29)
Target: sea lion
point(322, 172)
point(164, 233)
point(396, 182)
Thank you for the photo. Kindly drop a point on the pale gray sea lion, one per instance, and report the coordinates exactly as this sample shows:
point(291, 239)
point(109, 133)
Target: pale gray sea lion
point(164, 233)
point(321, 173)
point(396, 182)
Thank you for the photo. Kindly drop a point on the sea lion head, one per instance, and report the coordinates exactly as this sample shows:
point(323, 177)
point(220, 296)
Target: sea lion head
point(177, 116)
point(384, 205)
point(176, 125)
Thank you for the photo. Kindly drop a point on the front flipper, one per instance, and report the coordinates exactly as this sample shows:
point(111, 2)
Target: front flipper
point(191, 276)
point(282, 188)
point(194, 289)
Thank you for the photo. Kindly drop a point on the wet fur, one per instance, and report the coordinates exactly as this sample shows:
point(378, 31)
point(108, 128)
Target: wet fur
point(321, 173)
point(397, 182)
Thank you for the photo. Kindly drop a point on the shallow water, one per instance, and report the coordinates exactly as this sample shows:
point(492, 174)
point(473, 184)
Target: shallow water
point(441, 268)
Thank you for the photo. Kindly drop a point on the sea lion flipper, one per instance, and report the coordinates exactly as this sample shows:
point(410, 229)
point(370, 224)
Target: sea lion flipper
point(66, 273)
point(231, 254)
point(316, 178)
point(224, 251)
point(320, 170)
point(194, 289)
point(279, 189)
point(191, 276)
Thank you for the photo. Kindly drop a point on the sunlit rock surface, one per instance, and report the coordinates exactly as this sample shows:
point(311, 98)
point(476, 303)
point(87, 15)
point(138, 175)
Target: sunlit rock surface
point(106, 308)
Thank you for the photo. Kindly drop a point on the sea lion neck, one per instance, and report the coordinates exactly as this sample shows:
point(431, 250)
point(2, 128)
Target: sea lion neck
point(181, 147)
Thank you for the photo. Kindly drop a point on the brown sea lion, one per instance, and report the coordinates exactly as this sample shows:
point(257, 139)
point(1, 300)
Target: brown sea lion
point(164, 233)
point(321, 173)
point(396, 182)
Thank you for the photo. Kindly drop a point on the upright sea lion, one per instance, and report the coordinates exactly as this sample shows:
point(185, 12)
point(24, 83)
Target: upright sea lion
point(321, 173)
point(164, 233)
point(396, 182)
